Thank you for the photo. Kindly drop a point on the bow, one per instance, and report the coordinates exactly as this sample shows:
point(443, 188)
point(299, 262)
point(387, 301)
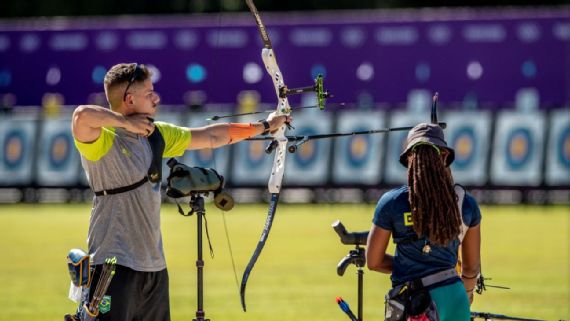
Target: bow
point(492, 316)
point(482, 287)
point(279, 142)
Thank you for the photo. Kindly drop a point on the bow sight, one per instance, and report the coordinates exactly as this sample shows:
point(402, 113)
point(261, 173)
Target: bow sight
point(318, 88)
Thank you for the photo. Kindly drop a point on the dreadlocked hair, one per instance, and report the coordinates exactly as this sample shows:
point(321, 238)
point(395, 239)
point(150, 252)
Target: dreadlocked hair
point(432, 196)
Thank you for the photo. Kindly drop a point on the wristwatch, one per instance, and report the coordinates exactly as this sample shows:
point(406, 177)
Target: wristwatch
point(265, 127)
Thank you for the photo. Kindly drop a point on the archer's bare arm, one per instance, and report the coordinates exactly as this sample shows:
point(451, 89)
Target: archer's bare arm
point(217, 135)
point(87, 121)
point(471, 259)
point(376, 257)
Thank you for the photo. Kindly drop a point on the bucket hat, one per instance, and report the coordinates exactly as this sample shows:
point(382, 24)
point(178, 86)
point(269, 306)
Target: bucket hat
point(425, 133)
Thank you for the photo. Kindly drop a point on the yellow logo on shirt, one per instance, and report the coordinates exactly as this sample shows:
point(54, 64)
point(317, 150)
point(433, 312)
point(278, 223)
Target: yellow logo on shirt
point(408, 219)
point(126, 152)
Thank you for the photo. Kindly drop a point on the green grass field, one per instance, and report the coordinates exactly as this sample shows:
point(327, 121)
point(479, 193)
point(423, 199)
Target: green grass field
point(525, 248)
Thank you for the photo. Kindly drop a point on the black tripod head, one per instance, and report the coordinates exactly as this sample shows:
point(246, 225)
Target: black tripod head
point(354, 238)
point(355, 256)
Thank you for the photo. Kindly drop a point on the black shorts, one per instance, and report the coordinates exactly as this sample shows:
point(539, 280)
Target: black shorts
point(134, 295)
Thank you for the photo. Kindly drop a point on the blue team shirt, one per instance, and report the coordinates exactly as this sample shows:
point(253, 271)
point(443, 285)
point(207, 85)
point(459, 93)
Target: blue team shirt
point(410, 263)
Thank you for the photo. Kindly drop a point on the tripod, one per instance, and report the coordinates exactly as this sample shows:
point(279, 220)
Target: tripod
point(355, 257)
point(197, 206)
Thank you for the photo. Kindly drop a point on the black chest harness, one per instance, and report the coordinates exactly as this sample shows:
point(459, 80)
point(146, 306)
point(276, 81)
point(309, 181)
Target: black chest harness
point(154, 174)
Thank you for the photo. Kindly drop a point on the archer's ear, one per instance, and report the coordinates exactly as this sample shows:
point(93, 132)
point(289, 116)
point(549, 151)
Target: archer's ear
point(130, 99)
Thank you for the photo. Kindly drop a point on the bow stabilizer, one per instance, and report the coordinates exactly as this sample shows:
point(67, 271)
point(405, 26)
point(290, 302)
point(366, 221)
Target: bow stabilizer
point(434, 108)
point(492, 316)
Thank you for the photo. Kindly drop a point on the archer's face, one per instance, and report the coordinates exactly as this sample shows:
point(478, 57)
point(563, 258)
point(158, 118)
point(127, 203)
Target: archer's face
point(142, 99)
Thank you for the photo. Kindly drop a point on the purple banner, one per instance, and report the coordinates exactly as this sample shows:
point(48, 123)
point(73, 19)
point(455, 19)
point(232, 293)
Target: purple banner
point(485, 57)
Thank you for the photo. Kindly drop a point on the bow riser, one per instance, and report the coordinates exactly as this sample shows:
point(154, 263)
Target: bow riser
point(283, 108)
point(272, 68)
point(278, 169)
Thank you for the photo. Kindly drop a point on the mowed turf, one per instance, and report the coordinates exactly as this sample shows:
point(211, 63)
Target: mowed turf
point(525, 248)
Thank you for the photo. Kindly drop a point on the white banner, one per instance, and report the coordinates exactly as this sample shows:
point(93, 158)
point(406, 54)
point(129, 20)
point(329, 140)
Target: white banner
point(558, 152)
point(518, 151)
point(468, 133)
point(58, 159)
point(358, 159)
point(17, 143)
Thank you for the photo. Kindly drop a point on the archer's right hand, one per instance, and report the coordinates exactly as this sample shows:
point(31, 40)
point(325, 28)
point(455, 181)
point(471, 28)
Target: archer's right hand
point(140, 124)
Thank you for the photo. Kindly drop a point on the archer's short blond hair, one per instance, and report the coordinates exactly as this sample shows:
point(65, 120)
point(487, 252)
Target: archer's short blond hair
point(123, 73)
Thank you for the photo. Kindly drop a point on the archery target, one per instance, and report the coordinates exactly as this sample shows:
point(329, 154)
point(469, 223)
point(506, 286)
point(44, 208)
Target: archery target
point(305, 155)
point(517, 153)
point(396, 173)
point(464, 146)
point(357, 154)
point(217, 158)
point(519, 148)
point(58, 160)
point(17, 137)
point(14, 149)
point(59, 150)
point(558, 152)
point(251, 165)
point(563, 148)
point(310, 164)
point(468, 133)
point(358, 159)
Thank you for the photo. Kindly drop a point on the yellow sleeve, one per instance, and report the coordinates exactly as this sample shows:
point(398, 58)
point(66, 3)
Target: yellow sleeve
point(99, 148)
point(176, 139)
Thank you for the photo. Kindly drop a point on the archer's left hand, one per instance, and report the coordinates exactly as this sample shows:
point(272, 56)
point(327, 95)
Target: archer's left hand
point(276, 122)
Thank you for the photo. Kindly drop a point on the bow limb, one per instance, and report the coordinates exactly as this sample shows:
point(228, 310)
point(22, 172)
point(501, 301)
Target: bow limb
point(279, 141)
point(260, 245)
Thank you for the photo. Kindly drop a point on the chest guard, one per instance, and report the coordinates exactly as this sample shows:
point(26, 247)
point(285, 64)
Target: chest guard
point(157, 145)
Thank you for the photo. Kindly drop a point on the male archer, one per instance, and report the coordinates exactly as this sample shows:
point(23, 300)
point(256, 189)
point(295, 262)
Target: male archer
point(125, 219)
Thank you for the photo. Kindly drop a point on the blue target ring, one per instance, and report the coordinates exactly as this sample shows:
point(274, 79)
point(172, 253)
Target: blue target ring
point(255, 153)
point(14, 149)
point(464, 144)
point(60, 151)
point(204, 157)
point(358, 149)
point(563, 148)
point(519, 148)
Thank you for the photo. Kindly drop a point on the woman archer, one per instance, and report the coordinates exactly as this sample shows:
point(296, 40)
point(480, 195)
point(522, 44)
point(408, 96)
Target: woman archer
point(430, 219)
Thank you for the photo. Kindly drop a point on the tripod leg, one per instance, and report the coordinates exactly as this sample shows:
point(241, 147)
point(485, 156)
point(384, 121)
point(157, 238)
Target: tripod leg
point(360, 292)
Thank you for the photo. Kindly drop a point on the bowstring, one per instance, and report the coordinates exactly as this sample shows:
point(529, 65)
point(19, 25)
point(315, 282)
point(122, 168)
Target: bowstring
point(226, 230)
